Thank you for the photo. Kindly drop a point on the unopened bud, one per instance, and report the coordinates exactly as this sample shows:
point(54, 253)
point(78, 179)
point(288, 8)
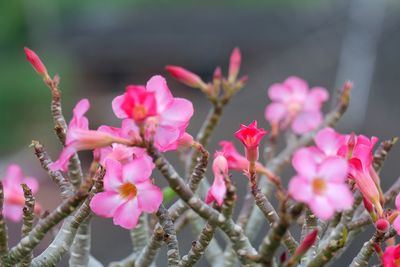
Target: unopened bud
point(382, 225)
point(307, 242)
point(234, 64)
point(185, 76)
point(36, 63)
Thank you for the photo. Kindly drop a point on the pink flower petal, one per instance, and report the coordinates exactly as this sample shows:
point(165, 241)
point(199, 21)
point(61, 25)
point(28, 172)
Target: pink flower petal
point(158, 84)
point(138, 170)
point(106, 203)
point(62, 162)
point(117, 107)
point(14, 175)
point(300, 189)
point(127, 215)
point(322, 208)
point(340, 196)
point(306, 121)
point(81, 108)
point(398, 201)
point(177, 113)
point(315, 98)
point(165, 137)
point(334, 169)
point(113, 177)
point(396, 224)
point(275, 112)
point(149, 196)
point(298, 87)
point(279, 92)
point(329, 141)
point(304, 163)
point(12, 212)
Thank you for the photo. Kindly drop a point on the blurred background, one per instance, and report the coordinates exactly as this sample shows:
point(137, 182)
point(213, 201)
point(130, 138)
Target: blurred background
point(98, 47)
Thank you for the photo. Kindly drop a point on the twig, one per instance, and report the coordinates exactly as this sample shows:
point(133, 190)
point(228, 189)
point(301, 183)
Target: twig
point(3, 226)
point(363, 256)
point(382, 152)
point(27, 222)
point(146, 257)
point(62, 242)
point(139, 235)
point(56, 176)
point(169, 236)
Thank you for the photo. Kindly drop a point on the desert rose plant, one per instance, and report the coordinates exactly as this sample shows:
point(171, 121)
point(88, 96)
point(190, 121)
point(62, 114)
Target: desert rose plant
point(334, 194)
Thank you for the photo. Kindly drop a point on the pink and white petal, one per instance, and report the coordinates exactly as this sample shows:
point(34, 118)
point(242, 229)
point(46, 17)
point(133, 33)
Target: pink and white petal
point(218, 190)
point(113, 178)
point(279, 92)
point(340, 196)
point(396, 225)
point(177, 113)
point(117, 107)
point(12, 212)
point(14, 175)
point(315, 98)
point(329, 141)
point(304, 162)
point(137, 171)
point(306, 121)
point(298, 87)
point(32, 183)
point(106, 203)
point(158, 84)
point(127, 215)
point(62, 162)
point(334, 169)
point(166, 136)
point(81, 108)
point(300, 189)
point(275, 112)
point(322, 208)
point(149, 196)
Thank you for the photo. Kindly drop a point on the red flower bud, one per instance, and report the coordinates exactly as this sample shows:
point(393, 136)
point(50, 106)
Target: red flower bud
point(35, 61)
point(185, 76)
point(382, 225)
point(234, 64)
point(307, 242)
point(251, 136)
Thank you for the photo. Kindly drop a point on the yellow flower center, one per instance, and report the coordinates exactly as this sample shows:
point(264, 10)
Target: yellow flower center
point(319, 186)
point(139, 112)
point(127, 190)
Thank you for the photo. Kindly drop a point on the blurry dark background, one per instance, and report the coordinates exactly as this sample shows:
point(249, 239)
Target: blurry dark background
point(98, 47)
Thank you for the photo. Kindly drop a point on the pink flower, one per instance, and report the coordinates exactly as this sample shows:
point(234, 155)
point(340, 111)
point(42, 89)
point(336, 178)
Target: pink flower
point(218, 189)
point(79, 137)
point(321, 185)
point(128, 191)
point(185, 76)
point(396, 222)
point(250, 136)
point(236, 161)
point(295, 105)
point(234, 64)
point(391, 256)
point(14, 200)
point(170, 121)
point(35, 61)
point(138, 103)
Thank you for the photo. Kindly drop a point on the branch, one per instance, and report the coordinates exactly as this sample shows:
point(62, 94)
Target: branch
point(169, 236)
point(56, 176)
point(63, 240)
point(3, 226)
point(382, 152)
point(363, 256)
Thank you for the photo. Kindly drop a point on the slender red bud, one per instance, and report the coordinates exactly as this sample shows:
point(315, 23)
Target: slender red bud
point(185, 76)
point(307, 242)
point(378, 249)
point(35, 61)
point(217, 74)
point(234, 64)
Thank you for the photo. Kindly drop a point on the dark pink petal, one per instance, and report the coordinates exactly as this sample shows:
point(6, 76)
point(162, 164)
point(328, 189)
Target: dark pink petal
point(149, 196)
point(106, 203)
point(306, 121)
point(117, 107)
point(304, 163)
point(127, 215)
point(334, 169)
